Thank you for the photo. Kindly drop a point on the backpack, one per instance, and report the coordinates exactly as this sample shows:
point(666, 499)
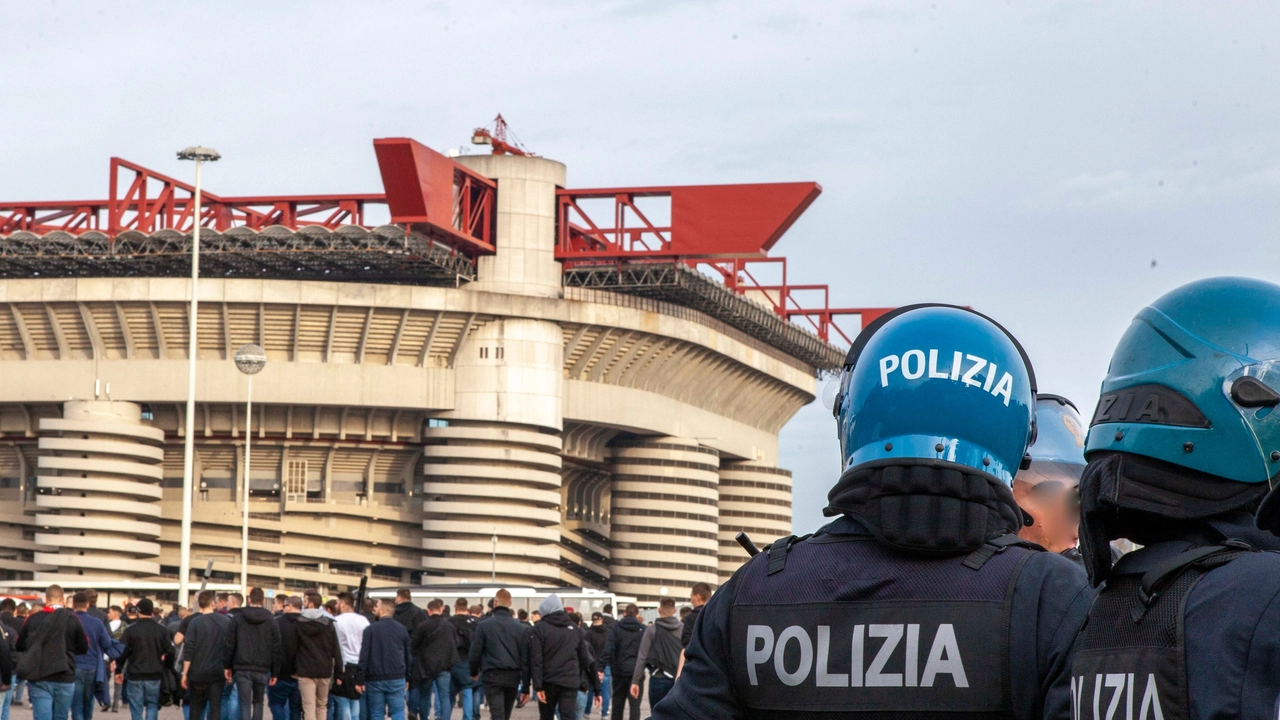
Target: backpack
point(664, 653)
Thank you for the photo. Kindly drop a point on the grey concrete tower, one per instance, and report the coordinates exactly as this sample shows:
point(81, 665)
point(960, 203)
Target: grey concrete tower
point(497, 464)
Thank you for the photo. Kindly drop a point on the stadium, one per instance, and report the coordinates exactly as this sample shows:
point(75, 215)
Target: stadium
point(508, 380)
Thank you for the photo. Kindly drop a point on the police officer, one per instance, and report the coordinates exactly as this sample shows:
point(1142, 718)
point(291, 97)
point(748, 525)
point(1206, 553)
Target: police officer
point(1047, 489)
point(1182, 449)
point(919, 600)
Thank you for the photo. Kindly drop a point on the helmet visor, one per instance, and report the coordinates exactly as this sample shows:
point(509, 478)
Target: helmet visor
point(1254, 391)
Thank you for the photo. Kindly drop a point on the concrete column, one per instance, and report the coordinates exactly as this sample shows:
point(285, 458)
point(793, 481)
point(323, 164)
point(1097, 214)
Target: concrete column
point(484, 479)
point(525, 263)
point(99, 476)
point(665, 517)
point(755, 499)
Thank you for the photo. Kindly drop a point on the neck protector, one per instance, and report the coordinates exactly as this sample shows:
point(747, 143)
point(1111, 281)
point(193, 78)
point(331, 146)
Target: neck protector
point(1149, 501)
point(930, 506)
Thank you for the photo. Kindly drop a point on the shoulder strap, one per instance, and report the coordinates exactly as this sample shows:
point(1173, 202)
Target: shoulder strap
point(1155, 580)
point(995, 545)
point(778, 549)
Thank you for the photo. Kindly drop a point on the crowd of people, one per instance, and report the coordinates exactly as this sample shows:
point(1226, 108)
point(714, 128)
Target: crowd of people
point(305, 657)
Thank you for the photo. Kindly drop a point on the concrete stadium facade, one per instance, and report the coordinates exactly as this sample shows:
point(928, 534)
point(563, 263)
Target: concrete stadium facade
point(605, 440)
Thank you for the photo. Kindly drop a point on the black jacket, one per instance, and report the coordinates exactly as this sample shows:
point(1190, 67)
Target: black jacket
point(146, 649)
point(409, 615)
point(56, 637)
point(464, 626)
point(598, 637)
point(204, 645)
point(499, 643)
point(319, 654)
point(385, 653)
point(288, 624)
point(686, 631)
point(435, 645)
point(253, 642)
point(623, 647)
point(559, 653)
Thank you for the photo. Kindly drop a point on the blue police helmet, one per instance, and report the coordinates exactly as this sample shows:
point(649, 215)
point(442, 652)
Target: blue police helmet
point(937, 382)
point(1195, 380)
point(1058, 453)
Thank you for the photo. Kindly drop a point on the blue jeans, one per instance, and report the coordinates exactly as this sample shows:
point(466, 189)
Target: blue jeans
point(18, 686)
point(466, 687)
point(383, 697)
point(606, 692)
point(584, 702)
point(284, 700)
point(51, 700)
point(7, 699)
point(413, 699)
point(144, 696)
point(439, 687)
point(347, 709)
point(230, 702)
point(658, 688)
point(82, 698)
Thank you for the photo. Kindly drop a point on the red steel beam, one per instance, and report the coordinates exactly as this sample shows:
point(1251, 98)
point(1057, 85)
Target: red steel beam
point(428, 190)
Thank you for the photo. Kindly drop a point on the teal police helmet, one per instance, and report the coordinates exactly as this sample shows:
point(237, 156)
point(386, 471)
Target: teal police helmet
point(937, 382)
point(1195, 382)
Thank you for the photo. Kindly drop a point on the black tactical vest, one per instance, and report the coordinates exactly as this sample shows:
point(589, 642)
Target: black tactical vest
point(852, 629)
point(1130, 660)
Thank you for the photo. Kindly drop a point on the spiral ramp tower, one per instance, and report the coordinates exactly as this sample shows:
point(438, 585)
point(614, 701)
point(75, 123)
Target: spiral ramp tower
point(755, 499)
point(485, 480)
point(665, 517)
point(99, 491)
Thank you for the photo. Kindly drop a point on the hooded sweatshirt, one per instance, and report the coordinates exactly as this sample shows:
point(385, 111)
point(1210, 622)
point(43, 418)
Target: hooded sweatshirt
point(253, 642)
point(623, 647)
point(659, 649)
point(559, 653)
point(319, 654)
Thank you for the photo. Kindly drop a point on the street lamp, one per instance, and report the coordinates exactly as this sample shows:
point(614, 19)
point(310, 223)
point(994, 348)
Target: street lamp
point(200, 155)
point(250, 360)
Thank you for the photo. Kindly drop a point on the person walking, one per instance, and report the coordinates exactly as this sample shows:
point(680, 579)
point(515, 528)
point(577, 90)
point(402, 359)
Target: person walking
point(435, 647)
point(620, 653)
point(464, 626)
point(116, 625)
point(350, 626)
point(598, 637)
point(49, 641)
point(559, 655)
point(660, 653)
point(385, 659)
point(410, 615)
point(142, 664)
point(253, 654)
point(499, 656)
point(283, 698)
point(7, 680)
point(319, 660)
point(90, 670)
point(204, 658)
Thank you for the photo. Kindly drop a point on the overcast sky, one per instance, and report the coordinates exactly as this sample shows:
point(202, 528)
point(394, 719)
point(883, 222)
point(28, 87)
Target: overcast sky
point(1056, 165)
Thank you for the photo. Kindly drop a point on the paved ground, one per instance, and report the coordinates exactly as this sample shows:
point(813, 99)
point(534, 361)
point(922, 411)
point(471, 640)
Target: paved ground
point(528, 712)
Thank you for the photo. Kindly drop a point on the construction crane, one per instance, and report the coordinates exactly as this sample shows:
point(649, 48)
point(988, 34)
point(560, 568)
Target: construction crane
point(497, 138)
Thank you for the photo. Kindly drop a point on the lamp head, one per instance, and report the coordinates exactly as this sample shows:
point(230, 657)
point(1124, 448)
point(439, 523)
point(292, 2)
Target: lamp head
point(198, 153)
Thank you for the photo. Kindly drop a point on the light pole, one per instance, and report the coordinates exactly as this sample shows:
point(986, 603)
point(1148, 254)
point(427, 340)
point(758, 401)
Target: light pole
point(200, 155)
point(250, 359)
point(493, 574)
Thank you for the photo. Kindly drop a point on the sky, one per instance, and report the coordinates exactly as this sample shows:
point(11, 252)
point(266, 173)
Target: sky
point(1056, 165)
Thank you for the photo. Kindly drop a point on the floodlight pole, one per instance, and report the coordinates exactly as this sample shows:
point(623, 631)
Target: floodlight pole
point(244, 527)
point(188, 448)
